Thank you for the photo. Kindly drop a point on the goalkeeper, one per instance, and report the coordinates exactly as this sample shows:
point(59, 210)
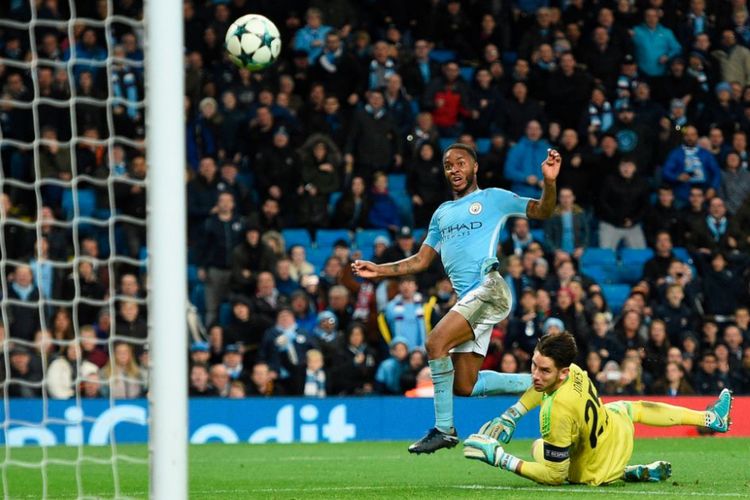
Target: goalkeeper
point(583, 441)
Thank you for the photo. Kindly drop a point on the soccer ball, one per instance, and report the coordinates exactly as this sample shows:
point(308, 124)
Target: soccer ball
point(253, 42)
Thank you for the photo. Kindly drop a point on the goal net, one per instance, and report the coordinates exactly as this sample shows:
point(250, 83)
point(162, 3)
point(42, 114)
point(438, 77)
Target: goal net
point(75, 359)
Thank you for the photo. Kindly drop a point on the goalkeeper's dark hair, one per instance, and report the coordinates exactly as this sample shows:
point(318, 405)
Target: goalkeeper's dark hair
point(463, 147)
point(561, 348)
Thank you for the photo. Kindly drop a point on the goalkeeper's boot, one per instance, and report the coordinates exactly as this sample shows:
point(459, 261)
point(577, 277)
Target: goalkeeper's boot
point(484, 448)
point(717, 415)
point(653, 472)
point(435, 440)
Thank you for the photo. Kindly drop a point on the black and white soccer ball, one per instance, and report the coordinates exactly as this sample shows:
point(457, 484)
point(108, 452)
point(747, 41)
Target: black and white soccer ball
point(253, 42)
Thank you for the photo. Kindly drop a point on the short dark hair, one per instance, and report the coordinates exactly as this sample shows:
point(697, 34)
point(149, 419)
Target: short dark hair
point(561, 348)
point(462, 147)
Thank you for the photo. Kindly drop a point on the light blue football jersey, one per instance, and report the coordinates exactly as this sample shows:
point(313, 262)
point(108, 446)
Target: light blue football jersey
point(466, 232)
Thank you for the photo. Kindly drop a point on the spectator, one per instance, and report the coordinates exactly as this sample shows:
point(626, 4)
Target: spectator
point(123, 375)
point(654, 45)
point(374, 142)
point(622, 205)
point(408, 315)
point(276, 168)
point(520, 238)
point(735, 183)
point(315, 381)
point(523, 166)
point(419, 70)
point(199, 382)
point(25, 319)
point(384, 213)
point(352, 208)
point(603, 341)
point(262, 382)
point(691, 165)
point(634, 138)
point(202, 194)
point(722, 288)
point(707, 380)
point(284, 348)
point(266, 301)
point(569, 90)
point(220, 381)
point(388, 375)
point(311, 37)
point(320, 160)
point(664, 216)
point(674, 383)
point(338, 70)
point(353, 370)
point(23, 379)
point(300, 266)
point(250, 257)
point(222, 232)
point(715, 233)
point(448, 98)
point(567, 230)
point(733, 58)
point(522, 110)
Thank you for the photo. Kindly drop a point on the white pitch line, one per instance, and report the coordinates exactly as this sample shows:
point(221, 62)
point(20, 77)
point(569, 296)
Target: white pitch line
point(548, 489)
point(601, 490)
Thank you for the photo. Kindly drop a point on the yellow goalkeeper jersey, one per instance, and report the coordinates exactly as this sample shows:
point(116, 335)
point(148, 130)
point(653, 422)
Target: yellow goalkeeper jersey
point(597, 438)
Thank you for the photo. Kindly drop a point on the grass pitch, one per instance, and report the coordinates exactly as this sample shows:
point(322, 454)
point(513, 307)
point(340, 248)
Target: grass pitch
point(702, 468)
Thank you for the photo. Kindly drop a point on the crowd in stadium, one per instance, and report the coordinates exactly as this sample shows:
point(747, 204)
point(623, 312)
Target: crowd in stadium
point(334, 154)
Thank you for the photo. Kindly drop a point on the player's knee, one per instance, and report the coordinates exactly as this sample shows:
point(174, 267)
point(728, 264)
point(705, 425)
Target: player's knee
point(435, 347)
point(461, 388)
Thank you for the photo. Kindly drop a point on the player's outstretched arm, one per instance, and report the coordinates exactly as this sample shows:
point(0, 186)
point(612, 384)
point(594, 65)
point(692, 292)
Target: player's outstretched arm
point(545, 206)
point(410, 265)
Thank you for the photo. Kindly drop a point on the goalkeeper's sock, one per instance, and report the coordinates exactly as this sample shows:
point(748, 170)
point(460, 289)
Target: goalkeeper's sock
point(664, 415)
point(492, 383)
point(442, 379)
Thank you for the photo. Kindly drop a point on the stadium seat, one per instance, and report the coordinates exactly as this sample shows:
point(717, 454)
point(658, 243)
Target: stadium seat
point(602, 275)
point(682, 254)
point(318, 256)
point(397, 183)
point(616, 295)
point(365, 238)
point(483, 145)
point(327, 237)
point(443, 55)
point(419, 233)
point(631, 263)
point(296, 237)
point(444, 142)
point(86, 203)
point(604, 257)
point(467, 73)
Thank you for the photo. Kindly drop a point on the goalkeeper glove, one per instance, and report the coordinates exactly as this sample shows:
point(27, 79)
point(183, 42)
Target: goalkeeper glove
point(503, 427)
point(488, 450)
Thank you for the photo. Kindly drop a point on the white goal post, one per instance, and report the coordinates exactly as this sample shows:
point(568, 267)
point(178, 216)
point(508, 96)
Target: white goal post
point(165, 138)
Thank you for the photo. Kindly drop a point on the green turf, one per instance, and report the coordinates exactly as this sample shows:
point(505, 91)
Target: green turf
point(702, 468)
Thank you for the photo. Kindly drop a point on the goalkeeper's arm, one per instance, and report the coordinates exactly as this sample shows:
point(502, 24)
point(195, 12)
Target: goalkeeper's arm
point(551, 468)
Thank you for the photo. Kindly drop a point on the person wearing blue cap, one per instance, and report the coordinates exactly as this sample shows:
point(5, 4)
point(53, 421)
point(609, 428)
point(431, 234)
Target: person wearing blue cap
point(466, 232)
point(553, 326)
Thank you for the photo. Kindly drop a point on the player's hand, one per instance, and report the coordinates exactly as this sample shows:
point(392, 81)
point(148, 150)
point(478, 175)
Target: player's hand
point(365, 269)
point(500, 428)
point(551, 166)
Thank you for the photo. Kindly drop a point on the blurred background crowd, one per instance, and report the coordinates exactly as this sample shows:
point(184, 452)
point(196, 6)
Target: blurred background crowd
point(334, 153)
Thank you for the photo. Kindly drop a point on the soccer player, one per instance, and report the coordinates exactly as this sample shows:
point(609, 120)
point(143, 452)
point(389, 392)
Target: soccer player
point(583, 441)
point(465, 231)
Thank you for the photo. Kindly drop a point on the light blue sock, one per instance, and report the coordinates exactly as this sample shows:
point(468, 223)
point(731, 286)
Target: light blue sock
point(442, 379)
point(491, 383)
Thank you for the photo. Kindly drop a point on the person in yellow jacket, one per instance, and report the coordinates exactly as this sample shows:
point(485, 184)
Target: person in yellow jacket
point(583, 441)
